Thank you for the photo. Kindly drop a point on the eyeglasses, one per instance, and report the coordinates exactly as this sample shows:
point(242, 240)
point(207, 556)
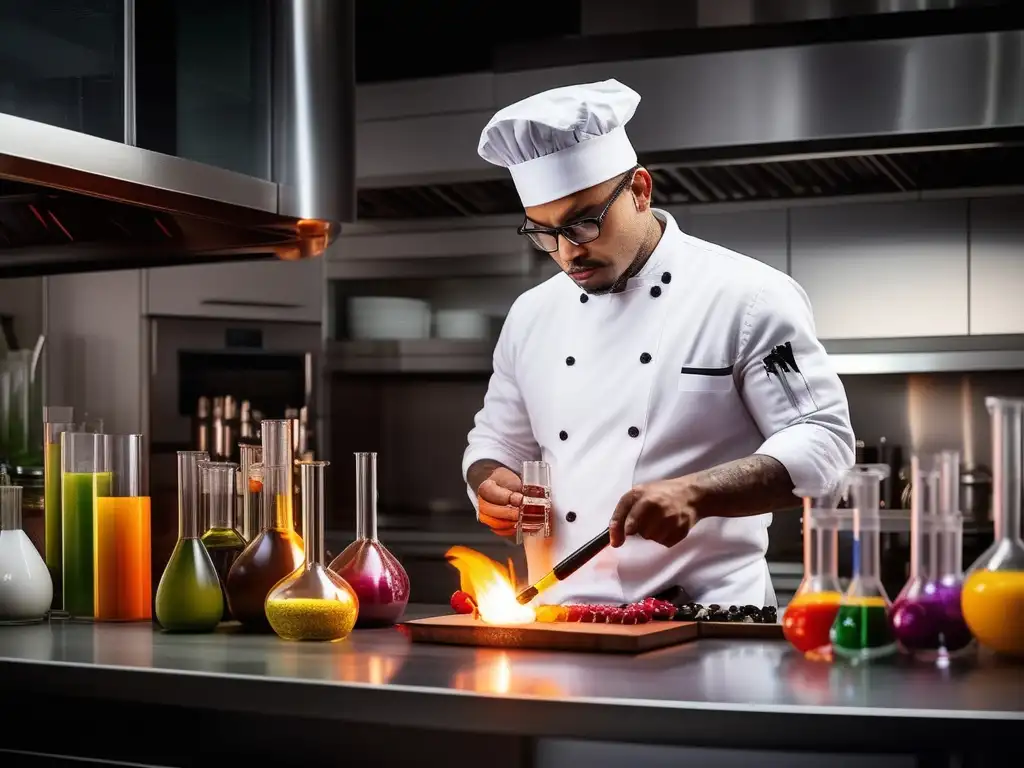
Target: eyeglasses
point(578, 232)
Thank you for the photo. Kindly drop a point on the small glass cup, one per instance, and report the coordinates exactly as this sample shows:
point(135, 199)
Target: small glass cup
point(535, 512)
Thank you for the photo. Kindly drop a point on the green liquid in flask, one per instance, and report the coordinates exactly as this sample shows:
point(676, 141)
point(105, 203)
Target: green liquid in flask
point(224, 546)
point(189, 597)
point(861, 628)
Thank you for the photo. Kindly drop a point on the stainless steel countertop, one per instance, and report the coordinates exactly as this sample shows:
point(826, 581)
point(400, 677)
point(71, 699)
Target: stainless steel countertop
point(710, 693)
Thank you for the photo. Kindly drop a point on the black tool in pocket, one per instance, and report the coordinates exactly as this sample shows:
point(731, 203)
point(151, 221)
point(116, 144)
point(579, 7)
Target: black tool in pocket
point(781, 363)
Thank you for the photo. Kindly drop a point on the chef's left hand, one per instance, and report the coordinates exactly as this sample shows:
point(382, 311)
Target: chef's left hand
point(661, 512)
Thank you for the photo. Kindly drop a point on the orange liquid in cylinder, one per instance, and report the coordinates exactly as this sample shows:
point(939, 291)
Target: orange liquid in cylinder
point(808, 619)
point(993, 607)
point(122, 586)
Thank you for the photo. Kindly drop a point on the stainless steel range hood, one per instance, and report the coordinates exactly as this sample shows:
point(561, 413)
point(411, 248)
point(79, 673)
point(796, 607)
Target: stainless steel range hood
point(74, 202)
point(858, 117)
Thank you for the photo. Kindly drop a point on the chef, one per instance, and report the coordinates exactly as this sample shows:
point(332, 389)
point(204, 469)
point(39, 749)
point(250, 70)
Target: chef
point(677, 389)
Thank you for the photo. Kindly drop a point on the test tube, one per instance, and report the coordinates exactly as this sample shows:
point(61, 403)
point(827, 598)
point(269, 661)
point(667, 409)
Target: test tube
point(250, 522)
point(123, 572)
point(57, 419)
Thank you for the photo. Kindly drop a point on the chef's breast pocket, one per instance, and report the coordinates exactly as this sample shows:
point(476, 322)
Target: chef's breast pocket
point(701, 379)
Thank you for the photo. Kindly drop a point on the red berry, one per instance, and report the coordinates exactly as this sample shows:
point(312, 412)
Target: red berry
point(629, 617)
point(462, 602)
point(615, 615)
point(576, 612)
point(589, 615)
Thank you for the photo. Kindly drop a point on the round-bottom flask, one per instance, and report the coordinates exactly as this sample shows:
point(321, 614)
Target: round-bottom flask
point(807, 620)
point(861, 630)
point(312, 603)
point(366, 564)
point(926, 617)
point(993, 593)
point(26, 589)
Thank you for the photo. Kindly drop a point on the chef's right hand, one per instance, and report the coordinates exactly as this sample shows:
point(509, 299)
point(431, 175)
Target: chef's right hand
point(500, 497)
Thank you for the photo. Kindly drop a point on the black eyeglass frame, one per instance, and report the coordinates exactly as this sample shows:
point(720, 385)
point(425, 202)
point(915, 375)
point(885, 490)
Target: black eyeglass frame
point(564, 230)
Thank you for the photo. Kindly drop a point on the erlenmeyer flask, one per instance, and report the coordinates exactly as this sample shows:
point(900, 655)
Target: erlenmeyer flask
point(809, 616)
point(189, 597)
point(993, 595)
point(861, 630)
point(277, 550)
point(926, 617)
point(313, 603)
point(374, 573)
point(222, 541)
point(26, 589)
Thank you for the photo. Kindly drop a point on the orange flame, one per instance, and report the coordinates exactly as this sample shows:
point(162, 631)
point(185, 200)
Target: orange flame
point(490, 586)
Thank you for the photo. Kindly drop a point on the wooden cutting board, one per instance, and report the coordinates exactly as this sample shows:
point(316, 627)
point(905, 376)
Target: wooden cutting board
point(739, 631)
point(460, 629)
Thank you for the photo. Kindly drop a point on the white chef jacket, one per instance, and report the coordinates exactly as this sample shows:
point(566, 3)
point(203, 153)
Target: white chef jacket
point(663, 379)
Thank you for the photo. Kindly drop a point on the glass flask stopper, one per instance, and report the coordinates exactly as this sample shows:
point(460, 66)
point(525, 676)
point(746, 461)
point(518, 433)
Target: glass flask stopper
point(809, 617)
point(277, 550)
point(366, 564)
point(535, 511)
point(26, 589)
point(926, 616)
point(189, 598)
point(993, 594)
point(219, 495)
point(313, 603)
point(861, 630)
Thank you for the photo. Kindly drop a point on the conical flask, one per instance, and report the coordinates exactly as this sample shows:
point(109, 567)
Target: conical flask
point(809, 616)
point(993, 594)
point(221, 539)
point(374, 573)
point(926, 616)
point(277, 550)
point(861, 630)
point(26, 589)
point(189, 598)
point(313, 603)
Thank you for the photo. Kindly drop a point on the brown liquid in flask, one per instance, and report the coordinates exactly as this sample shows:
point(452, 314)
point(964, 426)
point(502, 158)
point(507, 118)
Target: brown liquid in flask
point(278, 550)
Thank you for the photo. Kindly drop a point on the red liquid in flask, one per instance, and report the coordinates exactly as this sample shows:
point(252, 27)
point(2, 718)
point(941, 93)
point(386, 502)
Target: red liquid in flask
point(808, 619)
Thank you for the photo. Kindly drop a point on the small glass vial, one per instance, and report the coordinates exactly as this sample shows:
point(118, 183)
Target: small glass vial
point(535, 512)
point(26, 589)
point(809, 617)
point(861, 630)
point(313, 603)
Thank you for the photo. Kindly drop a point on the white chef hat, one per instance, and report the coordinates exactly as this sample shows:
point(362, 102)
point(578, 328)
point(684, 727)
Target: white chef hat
point(563, 140)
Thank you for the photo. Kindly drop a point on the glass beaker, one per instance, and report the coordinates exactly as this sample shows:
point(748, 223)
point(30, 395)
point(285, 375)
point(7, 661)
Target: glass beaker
point(993, 594)
point(26, 589)
point(313, 602)
point(189, 598)
point(366, 564)
point(84, 476)
point(926, 616)
point(535, 512)
point(249, 525)
point(808, 619)
point(224, 543)
point(861, 630)
point(57, 419)
point(277, 550)
point(123, 578)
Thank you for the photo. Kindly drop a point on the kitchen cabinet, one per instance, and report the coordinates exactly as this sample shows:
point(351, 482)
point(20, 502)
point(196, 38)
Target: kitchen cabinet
point(256, 290)
point(883, 270)
point(759, 234)
point(64, 65)
point(997, 265)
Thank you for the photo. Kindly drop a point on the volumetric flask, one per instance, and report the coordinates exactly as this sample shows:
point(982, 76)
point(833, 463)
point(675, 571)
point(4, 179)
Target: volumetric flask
point(861, 630)
point(84, 476)
point(993, 595)
point(221, 539)
point(123, 577)
point(535, 511)
point(189, 597)
point(926, 616)
point(809, 617)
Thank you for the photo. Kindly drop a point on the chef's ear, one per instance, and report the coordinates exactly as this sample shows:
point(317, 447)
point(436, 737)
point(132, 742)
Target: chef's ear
point(641, 189)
